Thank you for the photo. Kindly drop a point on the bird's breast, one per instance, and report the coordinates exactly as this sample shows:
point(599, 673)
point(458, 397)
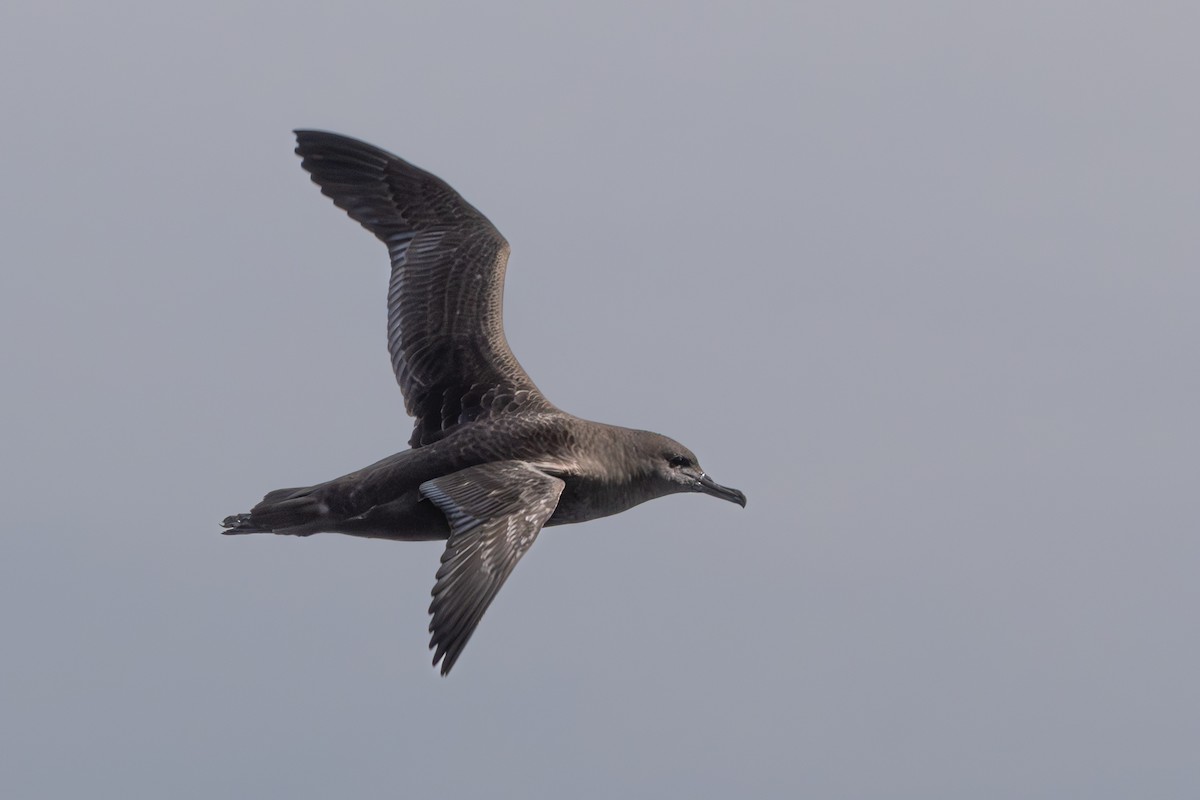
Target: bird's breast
point(586, 498)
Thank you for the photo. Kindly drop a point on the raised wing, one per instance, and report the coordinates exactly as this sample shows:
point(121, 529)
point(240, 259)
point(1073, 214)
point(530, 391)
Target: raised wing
point(495, 512)
point(445, 323)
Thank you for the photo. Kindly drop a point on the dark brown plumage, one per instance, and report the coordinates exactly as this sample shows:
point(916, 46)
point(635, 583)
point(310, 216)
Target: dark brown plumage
point(492, 461)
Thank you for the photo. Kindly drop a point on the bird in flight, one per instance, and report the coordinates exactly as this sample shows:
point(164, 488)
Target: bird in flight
point(491, 460)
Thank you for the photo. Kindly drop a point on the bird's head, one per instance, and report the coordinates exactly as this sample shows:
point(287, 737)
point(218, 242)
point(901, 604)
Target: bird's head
point(674, 468)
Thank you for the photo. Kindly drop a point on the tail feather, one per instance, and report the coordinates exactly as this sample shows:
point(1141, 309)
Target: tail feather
point(240, 523)
point(292, 511)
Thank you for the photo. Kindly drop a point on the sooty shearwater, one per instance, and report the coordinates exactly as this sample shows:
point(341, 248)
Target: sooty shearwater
point(492, 461)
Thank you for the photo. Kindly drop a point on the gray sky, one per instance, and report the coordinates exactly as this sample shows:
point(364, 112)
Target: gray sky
point(921, 278)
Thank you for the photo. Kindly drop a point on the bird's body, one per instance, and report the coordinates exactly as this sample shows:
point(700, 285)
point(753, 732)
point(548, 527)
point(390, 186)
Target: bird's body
point(383, 501)
point(492, 461)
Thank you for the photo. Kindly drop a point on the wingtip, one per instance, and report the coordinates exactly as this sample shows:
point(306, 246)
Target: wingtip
point(446, 663)
point(310, 136)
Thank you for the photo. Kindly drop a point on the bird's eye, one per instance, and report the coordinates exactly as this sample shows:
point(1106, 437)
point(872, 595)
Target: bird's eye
point(679, 461)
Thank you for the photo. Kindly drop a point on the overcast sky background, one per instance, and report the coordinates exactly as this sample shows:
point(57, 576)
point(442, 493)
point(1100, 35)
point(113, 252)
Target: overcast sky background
point(922, 279)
